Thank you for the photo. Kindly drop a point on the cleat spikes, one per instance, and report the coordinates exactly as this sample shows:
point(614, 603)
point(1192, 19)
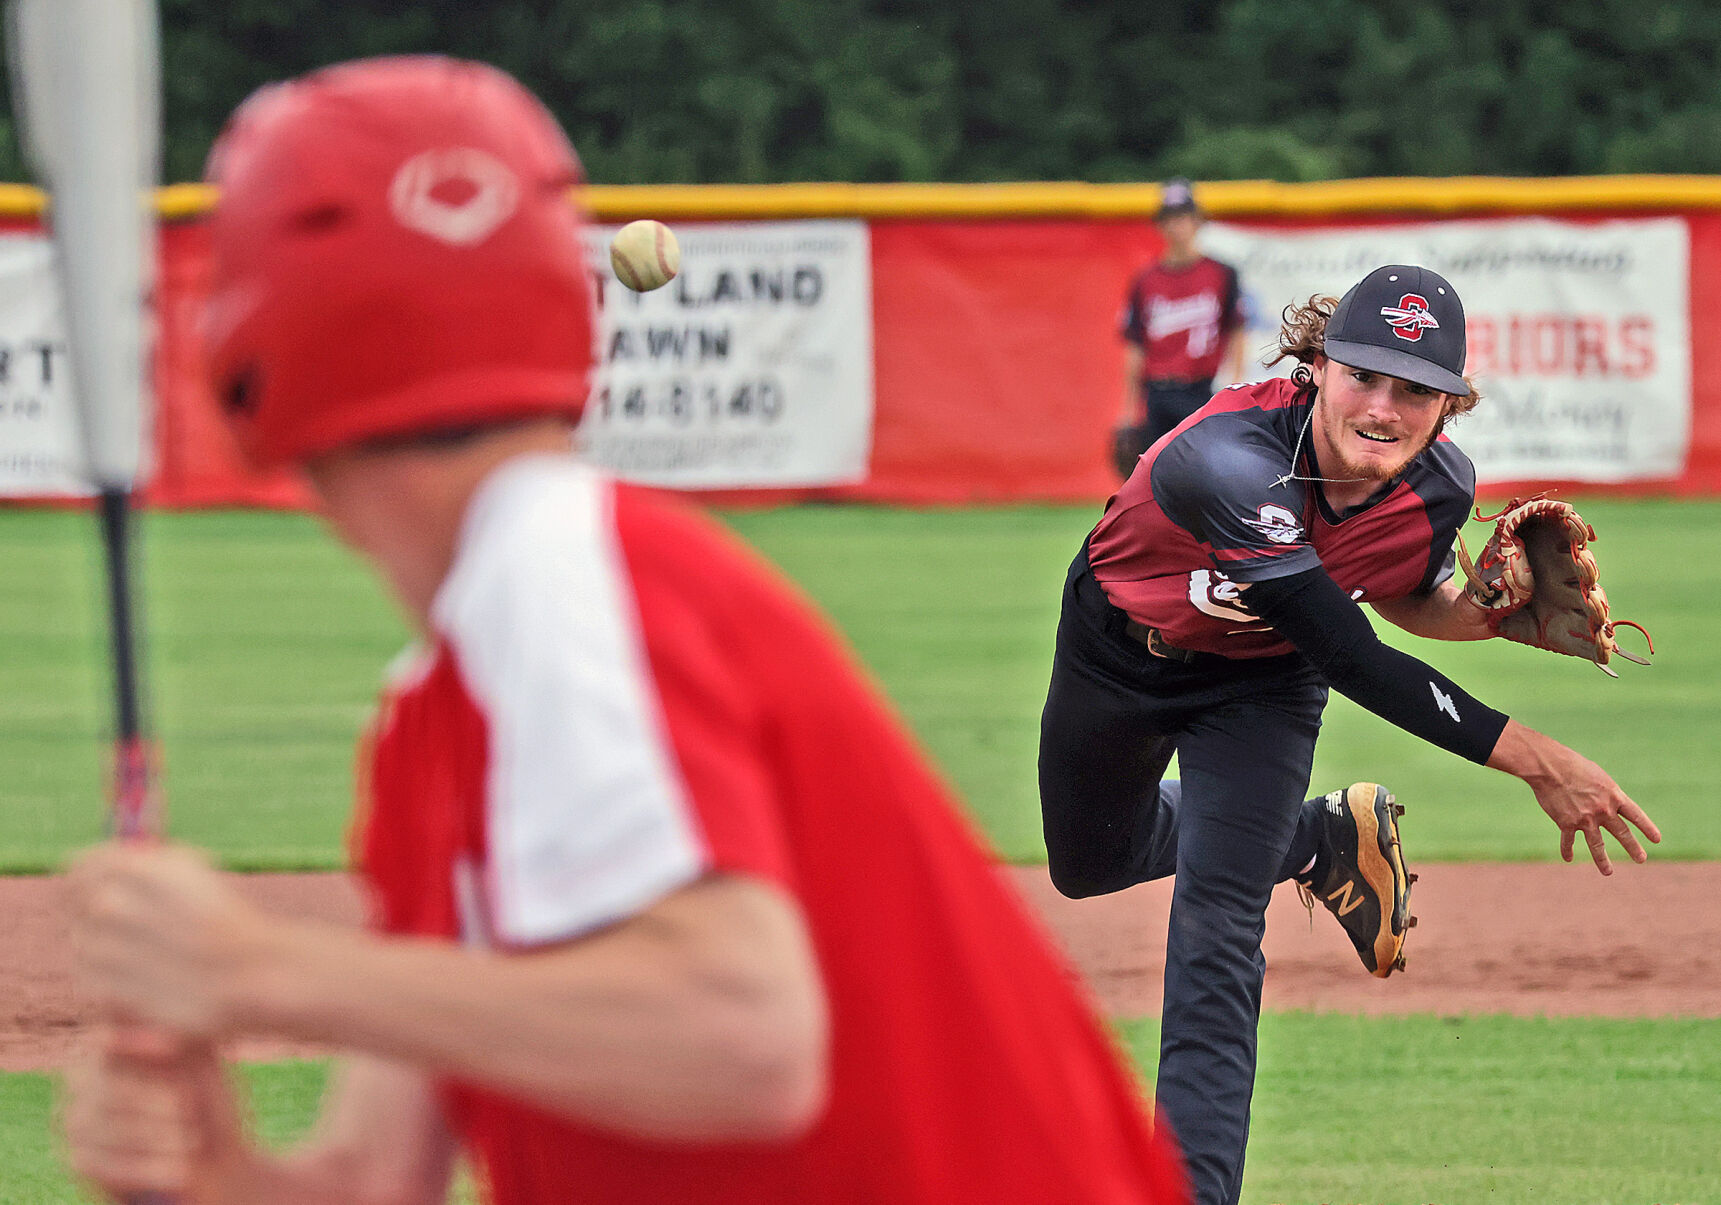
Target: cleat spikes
point(1411, 923)
point(1397, 808)
point(1411, 877)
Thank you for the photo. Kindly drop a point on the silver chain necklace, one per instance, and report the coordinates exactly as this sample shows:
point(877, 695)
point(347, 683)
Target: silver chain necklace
point(1297, 452)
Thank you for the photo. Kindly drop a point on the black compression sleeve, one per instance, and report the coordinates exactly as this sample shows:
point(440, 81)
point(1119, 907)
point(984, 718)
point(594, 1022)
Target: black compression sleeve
point(1314, 614)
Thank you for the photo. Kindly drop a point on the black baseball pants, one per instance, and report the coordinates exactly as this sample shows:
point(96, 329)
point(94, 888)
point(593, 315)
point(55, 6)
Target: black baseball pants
point(1170, 402)
point(1232, 827)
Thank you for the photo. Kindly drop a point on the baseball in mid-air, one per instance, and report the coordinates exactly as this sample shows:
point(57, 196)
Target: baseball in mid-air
point(645, 255)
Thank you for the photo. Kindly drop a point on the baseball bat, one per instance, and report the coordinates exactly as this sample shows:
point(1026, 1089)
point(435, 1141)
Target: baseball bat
point(87, 82)
point(87, 85)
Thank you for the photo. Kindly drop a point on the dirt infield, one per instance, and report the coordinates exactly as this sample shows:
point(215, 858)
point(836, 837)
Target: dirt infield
point(1551, 940)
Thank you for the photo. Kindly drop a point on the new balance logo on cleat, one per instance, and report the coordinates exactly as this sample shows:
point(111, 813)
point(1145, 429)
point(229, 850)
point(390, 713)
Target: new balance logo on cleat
point(1359, 873)
point(1350, 903)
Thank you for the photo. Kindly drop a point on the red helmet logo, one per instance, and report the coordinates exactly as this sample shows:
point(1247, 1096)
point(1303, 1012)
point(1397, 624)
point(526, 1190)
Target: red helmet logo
point(1410, 318)
point(459, 195)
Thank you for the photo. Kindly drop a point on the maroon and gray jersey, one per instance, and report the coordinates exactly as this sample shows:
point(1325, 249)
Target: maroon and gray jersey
point(1181, 318)
point(1218, 502)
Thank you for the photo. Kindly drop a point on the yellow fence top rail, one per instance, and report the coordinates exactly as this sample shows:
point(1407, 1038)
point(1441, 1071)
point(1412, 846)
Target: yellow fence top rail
point(1410, 196)
point(1222, 199)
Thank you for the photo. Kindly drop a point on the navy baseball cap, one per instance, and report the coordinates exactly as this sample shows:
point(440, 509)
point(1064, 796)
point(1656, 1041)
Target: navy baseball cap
point(1405, 322)
point(1177, 195)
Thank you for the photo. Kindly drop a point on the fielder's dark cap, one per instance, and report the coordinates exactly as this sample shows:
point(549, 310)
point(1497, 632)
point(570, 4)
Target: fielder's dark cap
point(1405, 322)
point(1177, 196)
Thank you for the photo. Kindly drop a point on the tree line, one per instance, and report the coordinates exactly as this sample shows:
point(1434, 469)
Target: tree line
point(756, 91)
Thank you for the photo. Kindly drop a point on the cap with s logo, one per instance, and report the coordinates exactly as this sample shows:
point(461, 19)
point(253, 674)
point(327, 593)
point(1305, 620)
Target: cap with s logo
point(1405, 322)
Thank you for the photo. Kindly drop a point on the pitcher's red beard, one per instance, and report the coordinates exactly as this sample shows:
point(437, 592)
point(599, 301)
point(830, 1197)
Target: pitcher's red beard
point(1363, 455)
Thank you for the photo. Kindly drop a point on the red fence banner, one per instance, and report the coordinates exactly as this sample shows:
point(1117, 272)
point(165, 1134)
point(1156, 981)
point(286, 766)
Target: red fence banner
point(997, 367)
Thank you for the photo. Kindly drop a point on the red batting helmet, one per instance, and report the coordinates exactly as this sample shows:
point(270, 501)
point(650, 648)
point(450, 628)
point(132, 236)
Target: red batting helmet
point(395, 252)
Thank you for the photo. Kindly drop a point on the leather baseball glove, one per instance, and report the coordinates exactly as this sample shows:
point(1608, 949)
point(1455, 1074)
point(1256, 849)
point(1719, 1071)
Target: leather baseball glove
point(1538, 581)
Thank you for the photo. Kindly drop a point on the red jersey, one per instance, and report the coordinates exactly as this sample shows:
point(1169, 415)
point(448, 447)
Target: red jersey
point(620, 700)
point(1182, 318)
point(1218, 501)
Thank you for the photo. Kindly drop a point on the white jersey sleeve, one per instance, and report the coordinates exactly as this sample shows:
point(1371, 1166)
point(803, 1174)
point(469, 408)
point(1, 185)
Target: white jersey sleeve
point(586, 815)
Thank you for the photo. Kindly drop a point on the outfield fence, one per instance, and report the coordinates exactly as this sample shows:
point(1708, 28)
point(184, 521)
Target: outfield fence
point(958, 343)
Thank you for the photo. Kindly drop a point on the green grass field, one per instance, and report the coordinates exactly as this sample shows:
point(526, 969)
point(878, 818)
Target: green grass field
point(267, 643)
point(1399, 1111)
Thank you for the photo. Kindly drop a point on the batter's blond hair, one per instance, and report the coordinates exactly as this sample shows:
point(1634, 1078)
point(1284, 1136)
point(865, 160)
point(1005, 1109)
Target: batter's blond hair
point(1303, 336)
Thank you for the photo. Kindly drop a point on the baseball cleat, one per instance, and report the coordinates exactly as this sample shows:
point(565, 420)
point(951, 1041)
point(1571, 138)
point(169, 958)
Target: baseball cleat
point(1359, 874)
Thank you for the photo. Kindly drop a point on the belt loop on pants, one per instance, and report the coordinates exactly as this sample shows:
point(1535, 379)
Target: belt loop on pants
point(1155, 642)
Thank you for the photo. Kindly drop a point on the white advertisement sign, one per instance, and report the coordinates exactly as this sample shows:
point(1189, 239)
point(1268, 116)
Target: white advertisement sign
point(38, 425)
point(752, 368)
point(1579, 334)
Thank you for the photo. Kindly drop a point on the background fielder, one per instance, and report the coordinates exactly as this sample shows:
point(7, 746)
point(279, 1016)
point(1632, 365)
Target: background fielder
point(1182, 323)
